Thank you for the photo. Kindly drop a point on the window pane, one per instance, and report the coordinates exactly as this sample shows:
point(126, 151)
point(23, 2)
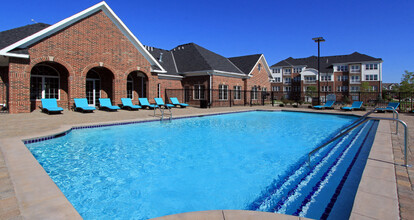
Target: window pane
point(51, 88)
point(129, 89)
point(35, 87)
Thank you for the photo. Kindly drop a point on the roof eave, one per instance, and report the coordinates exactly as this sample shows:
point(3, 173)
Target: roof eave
point(2, 53)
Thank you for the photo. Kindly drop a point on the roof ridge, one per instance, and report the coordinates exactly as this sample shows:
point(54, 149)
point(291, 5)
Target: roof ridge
point(196, 46)
point(247, 55)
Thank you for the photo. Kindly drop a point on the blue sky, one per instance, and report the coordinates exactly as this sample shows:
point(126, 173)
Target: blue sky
point(278, 29)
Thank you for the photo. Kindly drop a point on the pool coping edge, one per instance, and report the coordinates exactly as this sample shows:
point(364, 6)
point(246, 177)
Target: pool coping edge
point(14, 148)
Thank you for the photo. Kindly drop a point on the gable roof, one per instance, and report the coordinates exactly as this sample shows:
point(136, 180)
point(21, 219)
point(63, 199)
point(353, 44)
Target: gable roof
point(326, 63)
point(189, 58)
point(43, 33)
point(246, 63)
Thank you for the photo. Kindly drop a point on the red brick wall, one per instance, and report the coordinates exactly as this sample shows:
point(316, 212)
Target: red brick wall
point(230, 82)
point(19, 85)
point(92, 42)
point(169, 84)
point(259, 78)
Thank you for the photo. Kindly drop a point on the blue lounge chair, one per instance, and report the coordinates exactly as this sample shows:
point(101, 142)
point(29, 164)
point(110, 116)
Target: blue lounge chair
point(175, 102)
point(127, 104)
point(50, 105)
point(390, 107)
point(355, 105)
point(106, 104)
point(160, 102)
point(82, 105)
point(328, 104)
point(144, 103)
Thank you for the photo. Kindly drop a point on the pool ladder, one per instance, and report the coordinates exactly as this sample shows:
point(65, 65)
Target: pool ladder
point(361, 121)
point(162, 112)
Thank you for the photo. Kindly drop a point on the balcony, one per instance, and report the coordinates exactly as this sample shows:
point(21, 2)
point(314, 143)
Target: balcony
point(355, 71)
point(310, 81)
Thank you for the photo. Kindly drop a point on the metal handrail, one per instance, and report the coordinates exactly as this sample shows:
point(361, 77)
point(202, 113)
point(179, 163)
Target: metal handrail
point(349, 129)
point(162, 112)
point(372, 111)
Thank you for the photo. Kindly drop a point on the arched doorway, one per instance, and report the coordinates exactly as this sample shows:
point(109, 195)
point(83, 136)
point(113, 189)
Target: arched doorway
point(137, 85)
point(48, 80)
point(99, 83)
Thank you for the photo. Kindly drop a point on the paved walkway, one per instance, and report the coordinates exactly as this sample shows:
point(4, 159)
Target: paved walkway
point(33, 124)
point(404, 175)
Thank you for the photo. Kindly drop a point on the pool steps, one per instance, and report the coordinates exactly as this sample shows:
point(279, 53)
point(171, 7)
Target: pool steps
point(298, 200)
point(302, 210)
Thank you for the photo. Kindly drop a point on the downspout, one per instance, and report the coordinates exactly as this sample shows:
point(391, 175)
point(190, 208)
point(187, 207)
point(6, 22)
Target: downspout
point(210, 87)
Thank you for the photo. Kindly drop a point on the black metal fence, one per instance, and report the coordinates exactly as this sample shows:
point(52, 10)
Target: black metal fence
point(227, 98)
point(4, 97)
point(219, 98)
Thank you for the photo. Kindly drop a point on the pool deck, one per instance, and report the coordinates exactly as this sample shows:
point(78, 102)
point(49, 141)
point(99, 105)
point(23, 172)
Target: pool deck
point(26, 191)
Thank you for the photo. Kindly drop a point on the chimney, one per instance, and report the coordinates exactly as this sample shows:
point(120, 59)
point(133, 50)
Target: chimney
point(160, 57)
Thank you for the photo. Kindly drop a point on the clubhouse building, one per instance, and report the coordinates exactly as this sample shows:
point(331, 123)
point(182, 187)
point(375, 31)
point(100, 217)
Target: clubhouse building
point(93, 54)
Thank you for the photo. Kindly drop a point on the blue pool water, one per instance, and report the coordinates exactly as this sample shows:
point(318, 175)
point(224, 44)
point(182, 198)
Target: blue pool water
point(252, 160)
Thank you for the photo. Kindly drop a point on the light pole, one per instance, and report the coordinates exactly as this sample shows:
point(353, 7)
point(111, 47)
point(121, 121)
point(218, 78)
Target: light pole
point(319, 39)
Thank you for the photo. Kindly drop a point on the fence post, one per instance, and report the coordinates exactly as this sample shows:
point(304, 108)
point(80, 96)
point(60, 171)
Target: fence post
point(272, 96)
point(166, 97)
point(245, 97)
point(230, 97)
point(399, 97)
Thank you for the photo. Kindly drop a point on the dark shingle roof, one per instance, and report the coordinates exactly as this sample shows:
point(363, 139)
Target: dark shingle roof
point(192, 58)
point(245, 63)
point(10, 37)
point(326, 63)
point(167, 61)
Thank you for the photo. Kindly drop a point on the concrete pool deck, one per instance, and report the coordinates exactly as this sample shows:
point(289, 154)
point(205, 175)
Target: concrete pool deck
point(26, 191)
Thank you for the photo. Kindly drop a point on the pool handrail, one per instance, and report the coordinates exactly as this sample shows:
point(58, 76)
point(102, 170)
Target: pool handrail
point(359, 122)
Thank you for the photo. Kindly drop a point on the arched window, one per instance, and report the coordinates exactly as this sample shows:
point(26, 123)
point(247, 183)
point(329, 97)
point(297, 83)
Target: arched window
point(130, 87)
point(44, 82)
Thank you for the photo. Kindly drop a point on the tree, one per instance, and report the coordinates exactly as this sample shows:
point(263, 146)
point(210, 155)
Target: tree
point(310, 91)
point(365, 87)
point(407, 82)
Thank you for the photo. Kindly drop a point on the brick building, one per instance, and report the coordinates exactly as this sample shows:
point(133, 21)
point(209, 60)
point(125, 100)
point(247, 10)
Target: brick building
point(93, 54)
point(342, 75)
point(210, 76)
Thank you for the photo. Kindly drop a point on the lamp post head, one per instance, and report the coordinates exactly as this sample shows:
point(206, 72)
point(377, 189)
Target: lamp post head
point(318, 39)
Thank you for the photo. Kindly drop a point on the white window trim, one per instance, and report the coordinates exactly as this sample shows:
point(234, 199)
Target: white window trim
point(132, 88)
point(198, 89)
point(237, 90)
point(223, 89)
point(43, 85)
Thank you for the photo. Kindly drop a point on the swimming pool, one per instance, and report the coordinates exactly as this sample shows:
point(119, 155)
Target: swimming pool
point(252, 160)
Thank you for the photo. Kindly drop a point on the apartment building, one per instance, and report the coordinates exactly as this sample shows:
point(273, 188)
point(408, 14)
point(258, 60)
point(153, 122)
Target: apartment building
point(344, 75)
